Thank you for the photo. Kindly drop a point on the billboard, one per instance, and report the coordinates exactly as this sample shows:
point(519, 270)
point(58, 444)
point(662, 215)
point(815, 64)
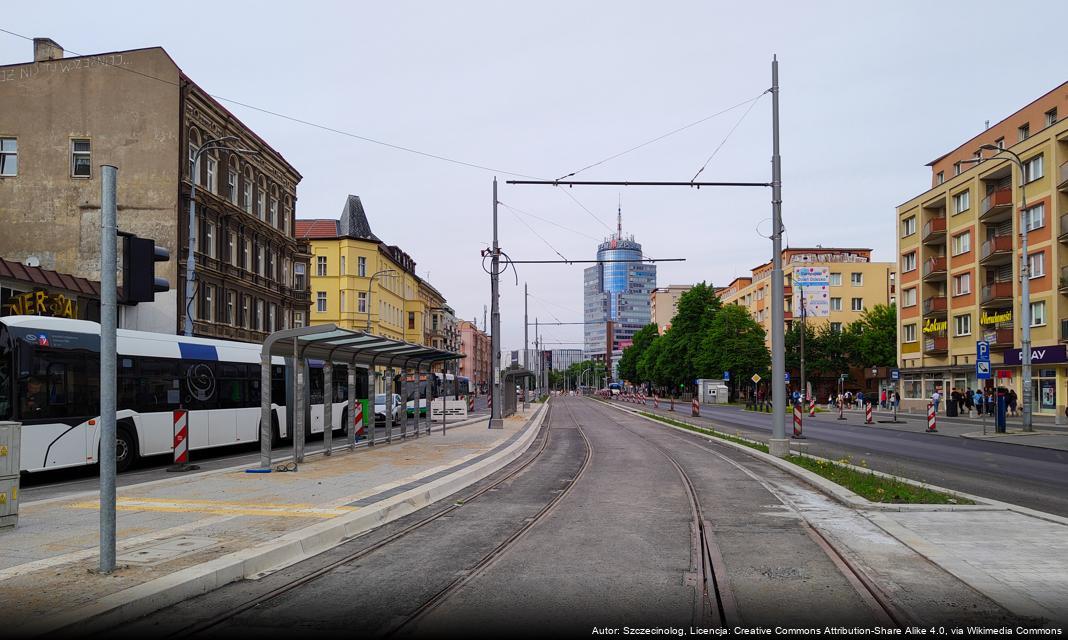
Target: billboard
point(811, 289)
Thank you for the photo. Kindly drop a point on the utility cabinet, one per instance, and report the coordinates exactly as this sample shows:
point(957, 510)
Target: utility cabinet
point(10, 445)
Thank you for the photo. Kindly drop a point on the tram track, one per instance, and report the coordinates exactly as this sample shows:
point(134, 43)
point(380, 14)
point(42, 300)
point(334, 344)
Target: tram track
point(233, 612)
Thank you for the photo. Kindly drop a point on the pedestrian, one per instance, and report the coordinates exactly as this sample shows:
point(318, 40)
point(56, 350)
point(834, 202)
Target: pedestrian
point(978, 399)
point(882, 399)
point(895, 400)
point(849, 399)
point(969, 400)
point(830, 401)
point(860, 399)
point(1011, 401)
point(936, 397)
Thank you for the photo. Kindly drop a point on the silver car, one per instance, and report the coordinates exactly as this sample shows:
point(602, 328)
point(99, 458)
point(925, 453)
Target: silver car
point(380, 407)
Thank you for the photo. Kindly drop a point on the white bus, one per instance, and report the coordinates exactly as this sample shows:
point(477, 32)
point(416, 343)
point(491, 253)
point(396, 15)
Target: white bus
point(50, 382)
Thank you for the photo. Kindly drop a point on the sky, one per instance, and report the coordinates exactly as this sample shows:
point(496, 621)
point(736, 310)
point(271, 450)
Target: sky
point(870, 93)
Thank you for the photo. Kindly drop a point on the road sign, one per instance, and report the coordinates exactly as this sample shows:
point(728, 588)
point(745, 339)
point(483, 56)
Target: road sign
point(982, 370)
point(844, 376)
point(895, 374)
point(787, 376)
point(756, 377)
point(982, 351)
point(726, 376)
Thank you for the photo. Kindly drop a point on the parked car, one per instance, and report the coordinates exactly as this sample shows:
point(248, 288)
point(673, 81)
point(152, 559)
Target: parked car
point(380, 407)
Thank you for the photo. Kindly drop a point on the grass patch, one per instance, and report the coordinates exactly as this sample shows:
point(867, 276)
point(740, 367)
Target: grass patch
point(759, 446)
point(874, 488)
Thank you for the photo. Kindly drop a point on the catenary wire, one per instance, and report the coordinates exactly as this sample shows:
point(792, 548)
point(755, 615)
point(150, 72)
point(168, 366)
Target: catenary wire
point(540, 237)
point(726, 137)
point(555, 224)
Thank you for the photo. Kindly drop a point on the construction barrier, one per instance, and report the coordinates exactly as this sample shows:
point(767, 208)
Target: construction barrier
point(357, 420)
point(797, 420)
point(841, 410)
point(470, 404)
point(695, 408)
point(656, 402)
point(931, 426)
point(812, 408)
point(181, 436)
point(867, 413)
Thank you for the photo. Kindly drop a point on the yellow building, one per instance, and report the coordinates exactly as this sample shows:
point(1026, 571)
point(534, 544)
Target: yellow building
point(359, 282)
point(959, 242)
point(664, 303)
point(856, 284)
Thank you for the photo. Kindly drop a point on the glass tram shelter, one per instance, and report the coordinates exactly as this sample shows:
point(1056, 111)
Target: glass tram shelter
point(334, 345)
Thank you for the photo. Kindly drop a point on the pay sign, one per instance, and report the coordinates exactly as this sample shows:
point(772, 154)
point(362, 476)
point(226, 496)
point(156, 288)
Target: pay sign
point(982, 360)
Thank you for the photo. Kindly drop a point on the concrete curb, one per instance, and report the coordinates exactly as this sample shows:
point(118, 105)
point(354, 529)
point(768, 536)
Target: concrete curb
point(998, 439)
point(287, 550)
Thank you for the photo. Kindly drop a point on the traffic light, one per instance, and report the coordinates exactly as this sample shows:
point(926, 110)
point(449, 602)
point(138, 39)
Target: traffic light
point(139, 258)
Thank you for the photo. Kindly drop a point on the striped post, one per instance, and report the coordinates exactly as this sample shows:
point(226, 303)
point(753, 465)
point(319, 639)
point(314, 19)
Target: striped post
point(812, 408)
point(672, 407)
point(181, 436)
point(932, 427)
point(357, 419)
point(656, 402)
point(695, 408)
point(797, 420)
point(471, 404)
point(867, 413)
point(841, 410)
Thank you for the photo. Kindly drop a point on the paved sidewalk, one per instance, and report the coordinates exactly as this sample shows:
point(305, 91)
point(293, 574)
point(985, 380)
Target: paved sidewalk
point(186, 535)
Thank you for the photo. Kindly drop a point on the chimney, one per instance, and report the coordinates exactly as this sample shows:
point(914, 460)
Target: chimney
point(46, 49)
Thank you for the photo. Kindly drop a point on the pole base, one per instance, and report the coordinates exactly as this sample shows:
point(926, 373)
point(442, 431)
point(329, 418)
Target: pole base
point(779, 447)
point(183, 467)
point(931, 431)
point(892, 421)
point(798, 437)
point(841, 417)
point(496, 423)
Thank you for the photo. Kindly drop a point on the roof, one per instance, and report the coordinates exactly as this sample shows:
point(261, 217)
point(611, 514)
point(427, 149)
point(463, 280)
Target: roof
point(48, 278)
point(330, 342)
point(315, 229)
point(353, 223)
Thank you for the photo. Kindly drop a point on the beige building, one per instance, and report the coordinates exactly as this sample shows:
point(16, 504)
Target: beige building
point(959, 247)
point(856, 283)
point(663, 303)
point(61, 118)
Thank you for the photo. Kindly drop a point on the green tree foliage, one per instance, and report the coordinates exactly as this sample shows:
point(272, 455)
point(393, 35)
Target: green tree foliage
point(648, 362)
point(628, 362)
point(575, 374)
point(676, 363)
point(733, 342)
point(874, 337)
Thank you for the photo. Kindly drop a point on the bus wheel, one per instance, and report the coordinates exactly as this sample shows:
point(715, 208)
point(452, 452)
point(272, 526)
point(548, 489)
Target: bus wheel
point(343, 427)
point(125, 447)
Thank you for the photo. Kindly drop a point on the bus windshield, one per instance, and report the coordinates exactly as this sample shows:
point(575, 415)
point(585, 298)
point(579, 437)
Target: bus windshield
point(5, 376)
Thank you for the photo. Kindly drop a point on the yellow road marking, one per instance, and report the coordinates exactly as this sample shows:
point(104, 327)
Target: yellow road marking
point(222, 508)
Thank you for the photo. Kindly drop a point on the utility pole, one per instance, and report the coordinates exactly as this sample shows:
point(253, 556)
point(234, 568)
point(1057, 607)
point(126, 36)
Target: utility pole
point(495, 415)
point(804, 389)
point(537, 349)
point(108, 323)
point(526, 351)
point(778, 445)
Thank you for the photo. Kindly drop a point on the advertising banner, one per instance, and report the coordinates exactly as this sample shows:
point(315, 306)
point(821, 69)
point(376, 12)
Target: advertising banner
point(811, 286)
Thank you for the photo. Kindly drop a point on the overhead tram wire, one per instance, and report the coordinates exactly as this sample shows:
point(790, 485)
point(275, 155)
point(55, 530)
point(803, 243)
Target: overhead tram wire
point(546, 220)
point(726, 137)
point(540, 237)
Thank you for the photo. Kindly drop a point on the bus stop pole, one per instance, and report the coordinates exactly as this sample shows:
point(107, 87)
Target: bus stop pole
point(266, 432)
point(406, 390)
point(108, 323)
point(298, 404)
point(388, 406)
point(328, 406)
point(351, 426)
point(371, 433)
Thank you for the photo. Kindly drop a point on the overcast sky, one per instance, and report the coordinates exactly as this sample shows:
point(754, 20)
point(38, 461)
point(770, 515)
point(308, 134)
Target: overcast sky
point(869, 95)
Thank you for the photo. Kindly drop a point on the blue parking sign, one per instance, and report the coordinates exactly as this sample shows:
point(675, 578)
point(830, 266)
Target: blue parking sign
point(726, 376)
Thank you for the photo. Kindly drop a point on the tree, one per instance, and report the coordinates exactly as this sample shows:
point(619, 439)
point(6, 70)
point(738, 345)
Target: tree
point(682, 342)
point(874, 337)
point(628, 362)
point(733, 342)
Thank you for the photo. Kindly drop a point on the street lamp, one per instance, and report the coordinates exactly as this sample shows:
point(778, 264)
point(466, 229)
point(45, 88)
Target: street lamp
point(190, 262)
point(1025, 284)
point(371, 281)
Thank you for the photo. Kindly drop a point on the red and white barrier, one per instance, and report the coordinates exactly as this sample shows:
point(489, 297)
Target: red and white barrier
point(797, 420)
point(181, 436)
point(812, 408)
point(695, 408)
point(656, 402)
point(841, 410)
point(470, 404)
point(867, 413)
point(932, 427)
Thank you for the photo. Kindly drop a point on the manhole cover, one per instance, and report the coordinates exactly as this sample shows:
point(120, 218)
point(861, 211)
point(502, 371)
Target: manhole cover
point(165, 550)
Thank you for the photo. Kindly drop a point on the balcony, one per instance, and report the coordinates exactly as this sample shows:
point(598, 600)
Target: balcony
point(997, 205)
point(935, 344)
point(1064, 330)
point(1062, 178)
point(997, 250)
point(934, 232)
point(935, 268)
point(1000, 338)
point(1063, 237)
point(996, 293)
point(935, 305)
point(1063, 286)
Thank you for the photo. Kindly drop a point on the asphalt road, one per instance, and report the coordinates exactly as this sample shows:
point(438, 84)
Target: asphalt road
point(614, 551)
point(1027, 476)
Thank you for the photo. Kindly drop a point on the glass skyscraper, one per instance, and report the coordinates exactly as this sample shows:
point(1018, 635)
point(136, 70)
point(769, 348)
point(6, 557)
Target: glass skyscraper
point(616, 295)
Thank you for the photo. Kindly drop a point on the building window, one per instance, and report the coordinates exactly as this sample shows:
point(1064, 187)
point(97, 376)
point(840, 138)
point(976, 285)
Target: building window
point(246, 317)
point(298, 276)
point(259, 315)
point(271, 317)
point(856, 279)
point(962, 243)
point(273, 211)
point(836, 327)
point(908, 262)
point(411, 319)
point(341, 302)
point(259, 260)
point(1051, 117)
point(1023, 132)
point(1035, 217)
point(80, 164)
point(213, 170)
point(908, 297)
point(246, 255)
point(261, 195)
point(1038, 314)
point(961, 202)
point(230, 308)
point(231, 181)
point(940, 177)
point(1000, 143)
point(857, 304)
point(320, 266)
point(1032, 168)
point(247, 192)
point(231, 248)
point(207, 306)
point(285, 271)
point(341, 266)
point(962, 284)
point(361, 302)
point(361, 267)
point(836, 304)
point(1036, 265)
point(910, 332)
point(209, 239)
point(320, 301)
point(908, 226)
point(9, 156)
point(963, 324)
point(835, 280)
point(956, 168)
point(287, 215)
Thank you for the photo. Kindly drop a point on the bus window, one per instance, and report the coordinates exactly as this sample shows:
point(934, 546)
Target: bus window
point(278, 384)
point(159, 389)
point(231, 386)
point(6, 378)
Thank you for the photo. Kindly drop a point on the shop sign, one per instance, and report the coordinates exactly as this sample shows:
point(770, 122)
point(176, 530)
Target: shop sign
point(935, 326)
point(1039, 355)
point(41, 303)
point(1048, 393)
point(996, 317)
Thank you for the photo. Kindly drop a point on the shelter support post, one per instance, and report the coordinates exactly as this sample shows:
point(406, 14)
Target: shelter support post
point(328, 406)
